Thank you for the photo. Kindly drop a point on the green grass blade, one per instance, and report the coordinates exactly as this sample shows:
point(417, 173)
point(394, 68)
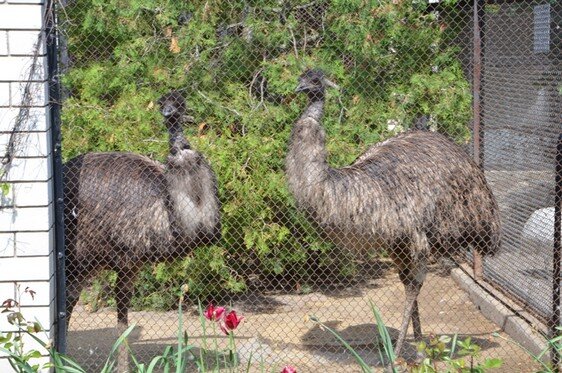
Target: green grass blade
point(453, 346)
point(122, 339)
point(138, 367)
point(249, 362)
point(67, 369)
point(154, 363)
point(204, 328)
point(384, 335)
point(179, 355)
point(359, 359)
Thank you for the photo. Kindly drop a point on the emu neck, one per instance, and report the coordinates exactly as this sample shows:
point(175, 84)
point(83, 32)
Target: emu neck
point(177, 139)
point(315, 108)
point(191, 189)
point(307, 159)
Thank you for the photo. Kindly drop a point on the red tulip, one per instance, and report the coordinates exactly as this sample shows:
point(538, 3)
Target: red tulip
point(230, 322)
point(213, 313)
point(289, 369)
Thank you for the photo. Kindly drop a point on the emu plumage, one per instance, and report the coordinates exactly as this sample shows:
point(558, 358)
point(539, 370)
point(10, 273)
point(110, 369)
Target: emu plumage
point(416, 195)
point(124, 210)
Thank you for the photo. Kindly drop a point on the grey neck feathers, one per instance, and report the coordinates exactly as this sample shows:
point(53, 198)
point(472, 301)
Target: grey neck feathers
point(177, 139)
point(307, 158)
point(191, 188)
point(314, 110)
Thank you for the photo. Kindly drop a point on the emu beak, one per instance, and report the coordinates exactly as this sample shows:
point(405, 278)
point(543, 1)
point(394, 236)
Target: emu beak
point(168, 110)
point(331, 84)
point(300, 88)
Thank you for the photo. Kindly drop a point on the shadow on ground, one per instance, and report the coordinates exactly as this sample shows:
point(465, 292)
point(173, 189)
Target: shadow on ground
point(277, 330)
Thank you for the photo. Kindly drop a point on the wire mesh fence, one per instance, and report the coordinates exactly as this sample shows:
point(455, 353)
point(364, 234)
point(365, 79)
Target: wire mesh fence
point(298, 159)
point(521, 83)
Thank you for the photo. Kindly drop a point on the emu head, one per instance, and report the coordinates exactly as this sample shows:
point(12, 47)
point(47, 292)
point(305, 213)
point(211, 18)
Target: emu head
point(313, 82)
point(172, 105)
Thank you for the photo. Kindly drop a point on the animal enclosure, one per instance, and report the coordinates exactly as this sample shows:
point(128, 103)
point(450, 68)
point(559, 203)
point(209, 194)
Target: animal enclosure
point(300, 159)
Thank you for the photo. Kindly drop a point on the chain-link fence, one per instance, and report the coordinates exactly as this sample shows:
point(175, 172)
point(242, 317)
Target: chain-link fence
point(521, 112)
point(298, 161)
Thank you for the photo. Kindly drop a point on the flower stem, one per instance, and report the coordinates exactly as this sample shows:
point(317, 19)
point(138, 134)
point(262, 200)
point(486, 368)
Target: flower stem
point(203, 350)
point(216, 346)
point(232, 343)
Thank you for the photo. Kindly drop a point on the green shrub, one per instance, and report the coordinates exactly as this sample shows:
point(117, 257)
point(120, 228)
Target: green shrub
point(390, 58)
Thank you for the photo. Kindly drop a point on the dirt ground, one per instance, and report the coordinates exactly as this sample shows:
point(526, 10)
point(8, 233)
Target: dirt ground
point(277, 331)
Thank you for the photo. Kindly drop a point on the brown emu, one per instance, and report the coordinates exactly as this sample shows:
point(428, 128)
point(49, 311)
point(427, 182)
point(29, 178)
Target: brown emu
point(417, 195)
point(123, 210)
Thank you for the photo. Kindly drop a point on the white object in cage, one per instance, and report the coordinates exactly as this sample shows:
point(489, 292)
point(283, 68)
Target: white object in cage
point(539, 228)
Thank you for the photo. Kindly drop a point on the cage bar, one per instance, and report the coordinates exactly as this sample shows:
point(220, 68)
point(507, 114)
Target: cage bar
point(557, 257)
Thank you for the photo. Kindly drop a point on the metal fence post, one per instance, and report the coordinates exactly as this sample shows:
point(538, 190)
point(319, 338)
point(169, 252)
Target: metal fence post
point(557, 257)
point(478, 25)
point(54, 115)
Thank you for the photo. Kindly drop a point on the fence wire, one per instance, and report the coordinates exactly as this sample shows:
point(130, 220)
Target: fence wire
point(521, 111)
point(298, 161)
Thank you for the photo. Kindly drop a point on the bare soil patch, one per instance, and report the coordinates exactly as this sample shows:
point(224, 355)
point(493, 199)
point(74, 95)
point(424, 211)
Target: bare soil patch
point(277, 329)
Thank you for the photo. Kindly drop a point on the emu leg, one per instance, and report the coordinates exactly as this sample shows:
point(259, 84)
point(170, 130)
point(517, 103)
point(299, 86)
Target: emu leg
point(75, 283)
point(412, 288)
point(123, 295)
point(72, 295)
point(411, 260)
point(416, 324)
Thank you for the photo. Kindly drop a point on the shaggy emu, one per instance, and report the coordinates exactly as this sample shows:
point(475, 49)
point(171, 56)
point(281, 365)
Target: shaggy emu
point(124, 210)
point(418, 195)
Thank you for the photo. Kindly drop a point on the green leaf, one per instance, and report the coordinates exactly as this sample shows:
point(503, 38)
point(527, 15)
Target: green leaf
point(385, 336)
point(5, 189)
point(34, 354)
point(492, 363)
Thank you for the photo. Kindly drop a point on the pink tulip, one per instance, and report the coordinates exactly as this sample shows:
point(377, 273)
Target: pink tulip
point(213, 313)
point(289, 369)
point(230, 322)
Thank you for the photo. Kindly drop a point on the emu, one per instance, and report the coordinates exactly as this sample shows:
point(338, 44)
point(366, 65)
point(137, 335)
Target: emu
point(416, 195)
point(124, 210)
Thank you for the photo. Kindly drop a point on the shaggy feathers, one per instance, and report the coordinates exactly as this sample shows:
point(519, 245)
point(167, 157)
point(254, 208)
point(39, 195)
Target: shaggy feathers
point(417, 195)
point(397, 187)
point(124, 210)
